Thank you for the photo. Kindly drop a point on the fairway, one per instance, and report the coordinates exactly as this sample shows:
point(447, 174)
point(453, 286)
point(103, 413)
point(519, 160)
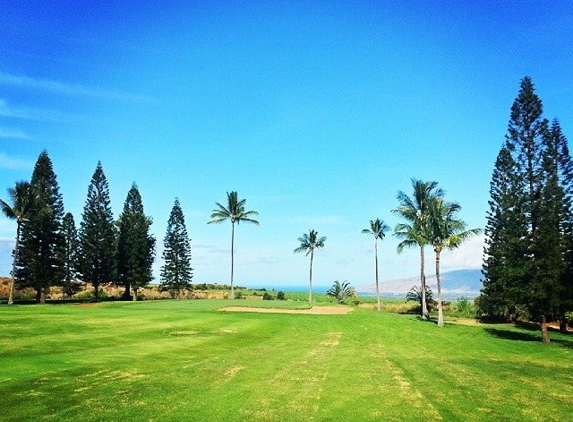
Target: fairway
point(189, 361)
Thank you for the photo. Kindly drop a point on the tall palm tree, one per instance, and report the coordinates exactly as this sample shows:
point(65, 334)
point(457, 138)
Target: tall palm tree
point(377, 228)
point(446, 231)
point(308, 243)
point(415, 210)
point(21, 198)
point(234, 211)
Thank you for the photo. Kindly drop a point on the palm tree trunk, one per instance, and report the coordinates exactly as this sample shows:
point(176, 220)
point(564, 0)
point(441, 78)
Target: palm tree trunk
point(440, 313)
point(232, 296)
point(11, 295)
point(310, 280)
point(425, 315)
point(377, 285)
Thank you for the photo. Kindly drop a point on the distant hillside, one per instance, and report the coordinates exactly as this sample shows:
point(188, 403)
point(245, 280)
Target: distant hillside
point(454, 283)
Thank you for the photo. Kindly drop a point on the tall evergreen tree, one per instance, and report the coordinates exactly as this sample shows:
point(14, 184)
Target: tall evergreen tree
point(70, 285)
point(176, 273)
point(506, 241)
point(98, 234)
point(40, 261)
point(564, 165)
point(525, 133)
point(529, 226)
point(135, 246)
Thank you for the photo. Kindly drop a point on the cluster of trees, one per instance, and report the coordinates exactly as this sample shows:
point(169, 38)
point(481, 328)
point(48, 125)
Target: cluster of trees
point(429, 220)
point(528, 260)
point(51, 251)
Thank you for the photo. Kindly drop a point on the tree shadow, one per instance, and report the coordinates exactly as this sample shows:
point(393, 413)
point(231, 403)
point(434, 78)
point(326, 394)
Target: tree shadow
point(563, 340)
point(513, 335)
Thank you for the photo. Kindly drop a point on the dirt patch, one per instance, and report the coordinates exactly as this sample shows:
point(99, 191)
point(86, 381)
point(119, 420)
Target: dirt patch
point(315, 310)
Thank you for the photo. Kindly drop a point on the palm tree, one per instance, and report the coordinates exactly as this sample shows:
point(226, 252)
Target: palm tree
point(446, 231)
point(234, 211)
point(377, 228)
point(414, 232)
point(341, 290)
point(21, 198)
point(308, 243)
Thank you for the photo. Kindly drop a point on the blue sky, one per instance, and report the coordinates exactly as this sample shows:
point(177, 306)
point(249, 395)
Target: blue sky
point(316, 112)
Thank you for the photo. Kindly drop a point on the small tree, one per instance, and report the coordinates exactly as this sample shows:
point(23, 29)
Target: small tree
point(340, 291)
point(415, 295)
point(21, 198)
point(176, 273)
point(308, 243)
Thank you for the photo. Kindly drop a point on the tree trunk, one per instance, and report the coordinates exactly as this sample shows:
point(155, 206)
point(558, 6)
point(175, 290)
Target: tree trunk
point(96, 292)
point(127, 292)
point(425, 314)
point(11, 295)
point(134, 297)
point(440, 312)
point(563, 325)
point(310, 280)
point(544, 331)
point(232, 295)
point(377, 285)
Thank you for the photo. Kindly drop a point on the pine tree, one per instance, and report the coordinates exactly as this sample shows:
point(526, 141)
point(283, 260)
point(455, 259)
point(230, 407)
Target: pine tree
point(70, 286)
point(176, 273)
point(529, 242)
point(545, 287)
point(40, 262)
point(557, 144)
point(97, 234)
point(526, 131)
point(504, 271)
point(136, 246)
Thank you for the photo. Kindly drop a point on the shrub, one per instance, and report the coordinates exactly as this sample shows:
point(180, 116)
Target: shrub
point(267, 296)
point(281, 295)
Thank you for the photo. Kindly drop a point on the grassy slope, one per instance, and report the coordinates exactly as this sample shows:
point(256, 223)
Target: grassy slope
point(183, 360)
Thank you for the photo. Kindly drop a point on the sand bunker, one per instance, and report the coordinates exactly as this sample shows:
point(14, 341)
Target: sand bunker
point(315, 310)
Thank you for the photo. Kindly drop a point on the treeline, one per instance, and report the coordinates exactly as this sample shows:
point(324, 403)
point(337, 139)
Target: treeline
point(52, 251)
point(528, 260)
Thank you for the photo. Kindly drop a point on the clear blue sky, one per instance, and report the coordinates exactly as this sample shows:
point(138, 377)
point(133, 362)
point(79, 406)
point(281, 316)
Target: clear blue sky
point(316, 112)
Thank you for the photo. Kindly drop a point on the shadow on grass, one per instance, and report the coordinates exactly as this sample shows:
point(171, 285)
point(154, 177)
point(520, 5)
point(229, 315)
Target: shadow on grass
point(563, 340)
point(513, 335)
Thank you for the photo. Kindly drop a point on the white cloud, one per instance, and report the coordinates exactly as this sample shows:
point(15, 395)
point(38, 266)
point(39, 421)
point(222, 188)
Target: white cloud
point(36, 114)
point(12, 163)
point(13, 133)
point(67, 89)
point(468, 256)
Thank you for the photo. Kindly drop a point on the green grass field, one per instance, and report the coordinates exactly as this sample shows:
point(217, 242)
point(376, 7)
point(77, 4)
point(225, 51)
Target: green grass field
point(187, 361)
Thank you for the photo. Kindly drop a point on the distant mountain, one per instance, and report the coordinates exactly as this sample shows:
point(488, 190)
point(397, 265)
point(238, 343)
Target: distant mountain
point(454, 283)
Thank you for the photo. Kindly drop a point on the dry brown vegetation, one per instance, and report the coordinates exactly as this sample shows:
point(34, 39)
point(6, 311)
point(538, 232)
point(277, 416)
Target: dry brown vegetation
point(315, 310)
point(86, 291)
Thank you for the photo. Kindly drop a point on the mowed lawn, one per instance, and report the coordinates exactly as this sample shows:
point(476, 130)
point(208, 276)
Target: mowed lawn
point(189, 361)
